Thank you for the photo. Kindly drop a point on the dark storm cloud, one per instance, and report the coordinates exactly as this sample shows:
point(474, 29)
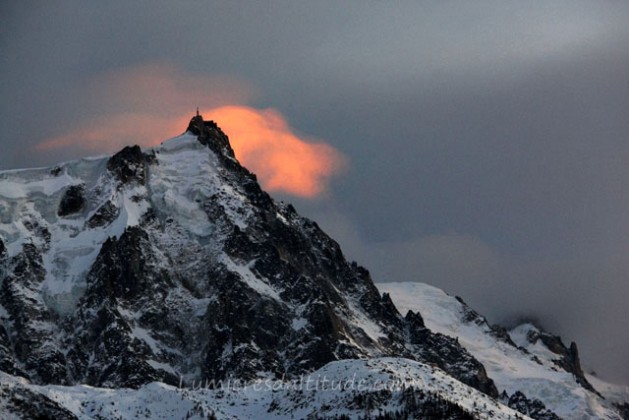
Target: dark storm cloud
point(487, 141)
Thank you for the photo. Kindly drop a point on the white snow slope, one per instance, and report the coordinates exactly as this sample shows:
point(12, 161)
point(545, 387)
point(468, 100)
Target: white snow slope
point(328, 392)
point(512, 369)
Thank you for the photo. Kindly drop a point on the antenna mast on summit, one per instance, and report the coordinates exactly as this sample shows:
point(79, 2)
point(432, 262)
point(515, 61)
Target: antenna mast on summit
point(197, 111)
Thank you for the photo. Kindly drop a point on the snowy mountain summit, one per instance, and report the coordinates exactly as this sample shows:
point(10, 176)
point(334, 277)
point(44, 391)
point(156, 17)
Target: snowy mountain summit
point(165, 283)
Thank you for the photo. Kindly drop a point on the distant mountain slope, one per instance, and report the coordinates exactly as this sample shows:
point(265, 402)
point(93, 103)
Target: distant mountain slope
point(524, 359)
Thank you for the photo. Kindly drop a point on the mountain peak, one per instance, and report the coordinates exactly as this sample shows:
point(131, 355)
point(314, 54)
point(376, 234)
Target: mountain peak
point(209, 134)
point(173, 265)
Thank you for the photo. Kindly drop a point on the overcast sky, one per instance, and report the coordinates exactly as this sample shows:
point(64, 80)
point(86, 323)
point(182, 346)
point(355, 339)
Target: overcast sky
point(482, 147)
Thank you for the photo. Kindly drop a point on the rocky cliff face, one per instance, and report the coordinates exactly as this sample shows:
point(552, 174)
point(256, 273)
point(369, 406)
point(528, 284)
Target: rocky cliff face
point(567, 358)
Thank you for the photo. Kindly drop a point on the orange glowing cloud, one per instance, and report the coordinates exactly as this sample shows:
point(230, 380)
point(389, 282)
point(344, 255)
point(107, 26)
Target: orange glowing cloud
point(148, 104)
point(264, 142)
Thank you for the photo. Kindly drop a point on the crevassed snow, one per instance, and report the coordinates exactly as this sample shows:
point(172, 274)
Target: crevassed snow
point(47, 186)
point(67, 254)
point(180, 182)
point(74, 247)
point(510, 368)
point(23, 183)
point(186, 176)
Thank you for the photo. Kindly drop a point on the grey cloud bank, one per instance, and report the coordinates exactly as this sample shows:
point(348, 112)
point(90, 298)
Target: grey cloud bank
point(487, 141)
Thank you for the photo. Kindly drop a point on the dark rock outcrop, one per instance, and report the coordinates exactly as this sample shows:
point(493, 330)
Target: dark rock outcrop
point(72, 201)
point(209, 134)
point(568, 357)
point(8, 363)
point(533, 408)
point(104, 215)
point(129, 164)
point(32, 324)
point(623, 409)
point(21, 402)
point(446, 353)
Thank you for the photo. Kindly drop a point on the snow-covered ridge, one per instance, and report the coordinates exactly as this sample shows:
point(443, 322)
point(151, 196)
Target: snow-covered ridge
point(352, 388)
point(528, 368)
